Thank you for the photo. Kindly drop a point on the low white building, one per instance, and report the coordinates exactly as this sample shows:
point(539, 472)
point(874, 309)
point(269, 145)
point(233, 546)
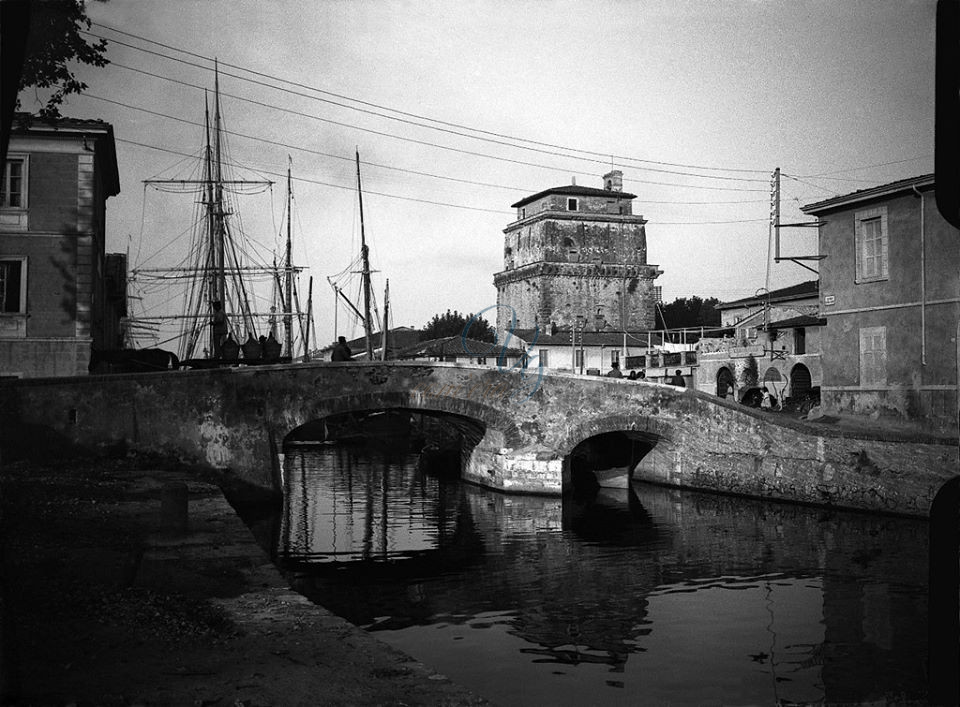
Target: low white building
point(772, 340)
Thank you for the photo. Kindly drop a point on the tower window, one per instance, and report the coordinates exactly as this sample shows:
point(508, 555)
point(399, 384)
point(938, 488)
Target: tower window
point(573, 204)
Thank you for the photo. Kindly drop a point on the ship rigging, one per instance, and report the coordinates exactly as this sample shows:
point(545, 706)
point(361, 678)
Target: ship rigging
point(224, 270)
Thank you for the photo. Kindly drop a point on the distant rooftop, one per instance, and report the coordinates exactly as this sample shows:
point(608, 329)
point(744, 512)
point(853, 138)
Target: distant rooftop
point(574, 190)
point(803, 290)
point(27, 121)
point(926, 180)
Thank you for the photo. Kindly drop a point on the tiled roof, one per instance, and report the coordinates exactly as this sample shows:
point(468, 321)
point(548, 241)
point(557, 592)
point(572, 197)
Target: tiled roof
point(574, 190)
point(456, 346)
point(871, 193)
point(803, 290)
point(26, 121)
point(398, 337)
point(804, 320)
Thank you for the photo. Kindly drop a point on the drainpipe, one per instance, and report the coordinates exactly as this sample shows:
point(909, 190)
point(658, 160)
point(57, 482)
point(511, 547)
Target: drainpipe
point(923, 283)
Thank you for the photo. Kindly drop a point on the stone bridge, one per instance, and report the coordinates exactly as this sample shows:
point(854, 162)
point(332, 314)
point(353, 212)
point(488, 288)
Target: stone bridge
point(237, 420)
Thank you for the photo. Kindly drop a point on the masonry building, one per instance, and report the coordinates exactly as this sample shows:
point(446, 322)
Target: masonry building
point(60, 294)
point(890, 297)
point(577, 257)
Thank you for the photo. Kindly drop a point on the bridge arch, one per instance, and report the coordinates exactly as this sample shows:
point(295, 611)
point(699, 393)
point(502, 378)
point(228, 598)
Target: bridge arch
point(630, 447)
point(800, 380)
point(488, 416)
point(725, 380)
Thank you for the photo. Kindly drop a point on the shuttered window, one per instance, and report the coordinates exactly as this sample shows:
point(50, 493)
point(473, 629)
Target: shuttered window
point(872, 248)
point(873, 356)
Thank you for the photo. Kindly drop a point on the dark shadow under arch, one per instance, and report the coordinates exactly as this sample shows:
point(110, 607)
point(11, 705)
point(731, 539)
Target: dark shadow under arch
point(800, 381)
point(485, 415)
point(725, 381)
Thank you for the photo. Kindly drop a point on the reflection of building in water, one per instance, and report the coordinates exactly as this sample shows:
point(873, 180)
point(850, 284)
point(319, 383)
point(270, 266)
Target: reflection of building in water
point(340, 506)
point(870, 622)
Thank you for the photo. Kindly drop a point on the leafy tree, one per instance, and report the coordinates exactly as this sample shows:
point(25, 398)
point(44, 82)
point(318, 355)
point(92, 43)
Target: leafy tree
point(54, 44)
point(689, 312)
point(453, 323)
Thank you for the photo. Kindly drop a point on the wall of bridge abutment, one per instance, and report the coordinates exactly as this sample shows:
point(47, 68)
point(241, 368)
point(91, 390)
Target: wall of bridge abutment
point(236, 420)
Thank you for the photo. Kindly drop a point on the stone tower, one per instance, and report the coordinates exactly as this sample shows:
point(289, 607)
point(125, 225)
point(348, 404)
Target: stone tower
point(577, 252)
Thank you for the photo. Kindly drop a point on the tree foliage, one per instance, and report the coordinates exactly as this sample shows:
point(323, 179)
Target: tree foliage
point(689, 312)
point(453, 324)
point(55, 44)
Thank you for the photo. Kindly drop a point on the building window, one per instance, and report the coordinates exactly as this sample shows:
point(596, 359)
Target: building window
point(542, 356)
point(800, 341)
point(615, 357)
point(573, 204)
point(873, 356)
point(523, 213)
point(578, 359)
point(13, 192)
point(871, 234)
point(13, 285)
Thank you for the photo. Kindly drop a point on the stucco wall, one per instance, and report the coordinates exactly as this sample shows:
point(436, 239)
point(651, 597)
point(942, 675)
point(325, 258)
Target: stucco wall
point(921, 347)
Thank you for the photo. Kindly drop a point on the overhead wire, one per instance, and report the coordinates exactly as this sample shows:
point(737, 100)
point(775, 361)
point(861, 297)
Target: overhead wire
point(606, 156)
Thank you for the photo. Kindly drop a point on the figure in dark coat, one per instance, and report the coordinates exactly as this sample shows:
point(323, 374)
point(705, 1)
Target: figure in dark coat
point(341, 352)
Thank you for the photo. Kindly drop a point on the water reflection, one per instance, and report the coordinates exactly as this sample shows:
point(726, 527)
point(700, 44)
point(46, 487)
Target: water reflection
point(644, 595)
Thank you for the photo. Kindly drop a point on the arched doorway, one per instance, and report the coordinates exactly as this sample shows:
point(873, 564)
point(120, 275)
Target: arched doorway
point(800, 382)
point(725, 382)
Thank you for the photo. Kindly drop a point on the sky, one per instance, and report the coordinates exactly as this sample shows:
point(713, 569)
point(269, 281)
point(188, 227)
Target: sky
point(458, 110)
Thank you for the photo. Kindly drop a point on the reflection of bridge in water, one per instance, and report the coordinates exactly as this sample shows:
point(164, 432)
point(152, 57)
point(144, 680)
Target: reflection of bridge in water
point(587, 581)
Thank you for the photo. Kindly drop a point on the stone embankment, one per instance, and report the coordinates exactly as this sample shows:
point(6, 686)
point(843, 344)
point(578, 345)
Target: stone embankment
point(106, 601)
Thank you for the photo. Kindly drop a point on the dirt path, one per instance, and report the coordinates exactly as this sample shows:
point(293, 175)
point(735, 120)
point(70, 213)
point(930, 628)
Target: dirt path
point(104, 606)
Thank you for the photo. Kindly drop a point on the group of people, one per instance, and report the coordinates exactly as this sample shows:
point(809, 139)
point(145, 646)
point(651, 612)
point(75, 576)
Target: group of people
point(615, 372)
point(224, 346)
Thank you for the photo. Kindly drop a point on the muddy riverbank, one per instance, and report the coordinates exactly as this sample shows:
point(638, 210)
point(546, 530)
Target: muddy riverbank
point(104, 602)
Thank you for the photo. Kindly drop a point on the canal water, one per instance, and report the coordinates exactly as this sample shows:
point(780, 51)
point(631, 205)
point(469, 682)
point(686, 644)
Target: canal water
point(645, 595)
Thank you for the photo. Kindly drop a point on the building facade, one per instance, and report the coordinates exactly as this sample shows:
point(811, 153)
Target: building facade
point(890, 296)
point(577, 257)
point(771, 339)
point(59, 295)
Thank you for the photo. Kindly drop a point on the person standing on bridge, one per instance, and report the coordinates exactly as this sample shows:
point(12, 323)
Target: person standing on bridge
point(341, 352)
point(677, 380)
point(614, 371)
point(219, 325)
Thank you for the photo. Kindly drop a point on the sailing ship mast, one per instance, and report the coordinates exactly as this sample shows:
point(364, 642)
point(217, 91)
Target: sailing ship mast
point(219, 274)
point(365, 254)
point(288, 304)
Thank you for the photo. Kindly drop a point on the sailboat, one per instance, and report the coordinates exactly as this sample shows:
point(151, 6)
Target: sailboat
point(366, 316)
point(225, 315)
